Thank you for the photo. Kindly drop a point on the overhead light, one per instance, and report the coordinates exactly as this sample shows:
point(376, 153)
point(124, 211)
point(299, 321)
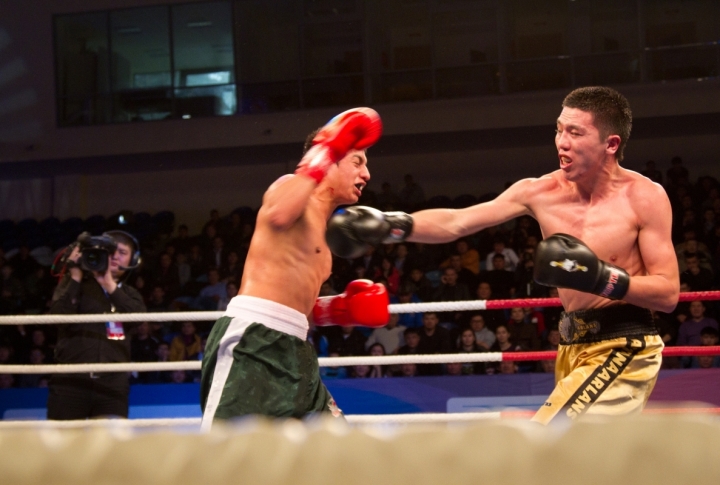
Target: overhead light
point(199, 23)
point(186, 117)
point(128, 30)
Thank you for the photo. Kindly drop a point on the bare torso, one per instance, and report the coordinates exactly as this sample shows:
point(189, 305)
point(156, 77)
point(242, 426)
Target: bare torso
point(609, 224)
point(289, 266)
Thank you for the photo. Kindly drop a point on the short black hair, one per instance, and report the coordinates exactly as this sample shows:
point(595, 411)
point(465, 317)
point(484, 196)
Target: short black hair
point(610, 109)
point(309, 139)
point(710, 331)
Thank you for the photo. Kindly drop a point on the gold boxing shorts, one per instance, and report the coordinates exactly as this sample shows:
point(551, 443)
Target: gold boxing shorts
point(607, 363)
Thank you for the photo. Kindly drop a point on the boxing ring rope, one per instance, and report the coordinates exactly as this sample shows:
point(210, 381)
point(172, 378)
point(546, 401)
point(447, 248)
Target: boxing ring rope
point(449, 306)
point(323, 361)
point(470, 357)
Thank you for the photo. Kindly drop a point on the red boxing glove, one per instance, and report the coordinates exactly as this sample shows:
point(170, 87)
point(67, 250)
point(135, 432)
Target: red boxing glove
point(363, 303)
point(355, 129)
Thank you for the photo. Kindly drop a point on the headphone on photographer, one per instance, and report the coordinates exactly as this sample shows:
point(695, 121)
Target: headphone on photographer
point(135, 259)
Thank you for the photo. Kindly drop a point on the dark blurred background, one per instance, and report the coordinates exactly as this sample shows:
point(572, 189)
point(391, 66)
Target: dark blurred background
point(148, 105)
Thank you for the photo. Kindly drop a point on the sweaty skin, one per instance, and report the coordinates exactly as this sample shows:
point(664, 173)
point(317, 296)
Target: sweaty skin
point(288, 259)
point(622, 216)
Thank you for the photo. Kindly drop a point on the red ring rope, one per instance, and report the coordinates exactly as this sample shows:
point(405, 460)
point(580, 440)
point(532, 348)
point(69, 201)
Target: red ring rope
point(667, 352)
point(538, 302)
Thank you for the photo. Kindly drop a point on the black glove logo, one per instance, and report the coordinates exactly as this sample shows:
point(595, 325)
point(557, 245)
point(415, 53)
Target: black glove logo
point(569, 265)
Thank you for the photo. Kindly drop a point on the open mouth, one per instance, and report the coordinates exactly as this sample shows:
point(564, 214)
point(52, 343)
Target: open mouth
point(565, 162)
point(359, 188)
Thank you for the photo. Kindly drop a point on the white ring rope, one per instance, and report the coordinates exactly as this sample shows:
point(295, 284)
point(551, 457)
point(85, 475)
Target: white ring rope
point(446, 306)
point(195, 364)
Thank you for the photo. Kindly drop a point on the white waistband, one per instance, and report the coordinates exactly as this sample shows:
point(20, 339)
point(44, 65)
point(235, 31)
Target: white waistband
point(269, 313)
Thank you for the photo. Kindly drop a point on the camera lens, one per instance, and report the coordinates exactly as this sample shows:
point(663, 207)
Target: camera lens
point(95, 259)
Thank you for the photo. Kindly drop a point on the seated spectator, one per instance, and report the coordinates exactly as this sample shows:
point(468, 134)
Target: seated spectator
point(157, 302)
point(185, 346)
point(6, 354)
point(361, 371)
point(388, 272)
point(210, 296)
point(468, 345)
point(167, 277)
point(231, 292)
point(434, 339)
point(492, 318)
point(347, 340)
point(412, 342)
point(469, 258)
point(39, 288)
point(143, 346)
point(408, 370)
point(377, 350)
point(450, 290)
point(23, 264)
point(390, 336)
point(692, 246)
point(465, 276)
point(510, 257)
point(454, 369)
point(182, 242)
point(333, 372)
point(507, 367)
point(12, 292)
point(422, 286)
point(553, 340)
point(405, 295)
point(697, 278)
point(484, 337)
point(401, 253)
point(691, 329)
point(501, 280)
point(503, 340)
point(525, 285)
point(231, 271)
point(39, 340)
point(37, 357)
point(709, 336)
point(547, 366)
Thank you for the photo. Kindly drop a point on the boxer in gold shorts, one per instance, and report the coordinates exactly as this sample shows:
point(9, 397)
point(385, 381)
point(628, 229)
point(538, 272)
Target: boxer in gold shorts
point(607, 363)
point(607, 248)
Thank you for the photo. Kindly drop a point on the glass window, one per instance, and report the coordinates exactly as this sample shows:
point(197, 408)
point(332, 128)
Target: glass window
point(538, 29)
point(203, 59)
point(613, 25)
point(270, 53)
point(464, 37)
point(680, 22)
point(332, 48)
point(401, 35)
point(82, 69)
point(141, 64)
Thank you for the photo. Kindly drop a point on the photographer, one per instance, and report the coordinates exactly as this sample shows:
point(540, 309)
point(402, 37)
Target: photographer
point(93, 283)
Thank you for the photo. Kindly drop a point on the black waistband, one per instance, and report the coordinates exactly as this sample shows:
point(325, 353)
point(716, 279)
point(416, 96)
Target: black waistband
point(597, 324)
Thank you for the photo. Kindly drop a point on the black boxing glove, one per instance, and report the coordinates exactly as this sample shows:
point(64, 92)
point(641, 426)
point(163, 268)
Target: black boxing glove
point(351, 230)
point(565, 261)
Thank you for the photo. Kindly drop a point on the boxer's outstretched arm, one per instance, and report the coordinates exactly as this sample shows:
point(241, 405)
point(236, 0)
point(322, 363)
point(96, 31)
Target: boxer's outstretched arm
point(659, 288)
point(445, 225)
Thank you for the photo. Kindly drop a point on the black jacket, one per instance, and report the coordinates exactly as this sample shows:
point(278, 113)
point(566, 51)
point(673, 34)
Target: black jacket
point(88, 342)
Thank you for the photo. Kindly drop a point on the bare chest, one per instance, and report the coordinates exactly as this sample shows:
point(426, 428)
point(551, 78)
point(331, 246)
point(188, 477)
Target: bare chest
point(610, 227)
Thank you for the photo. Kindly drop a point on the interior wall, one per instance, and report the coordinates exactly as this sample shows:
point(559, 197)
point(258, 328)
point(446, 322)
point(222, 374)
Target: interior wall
point(192, 193)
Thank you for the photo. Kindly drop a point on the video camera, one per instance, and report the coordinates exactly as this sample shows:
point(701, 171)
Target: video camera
point(95, 251)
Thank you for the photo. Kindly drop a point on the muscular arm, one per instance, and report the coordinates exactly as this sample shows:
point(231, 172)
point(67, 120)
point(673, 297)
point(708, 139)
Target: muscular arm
point(444, 225)
point(285, 200)
point(659, 288)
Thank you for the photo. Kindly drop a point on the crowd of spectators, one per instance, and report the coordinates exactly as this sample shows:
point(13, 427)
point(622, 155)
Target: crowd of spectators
point(203, 272)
